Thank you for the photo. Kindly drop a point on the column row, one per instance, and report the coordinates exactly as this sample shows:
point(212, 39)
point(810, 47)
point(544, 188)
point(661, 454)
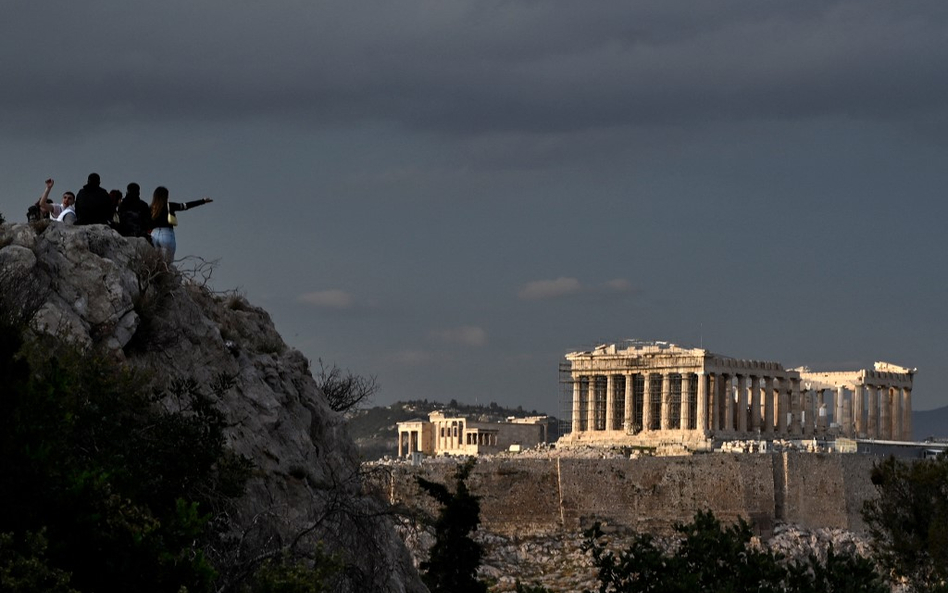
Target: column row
point(718, 402)
point(868, 411)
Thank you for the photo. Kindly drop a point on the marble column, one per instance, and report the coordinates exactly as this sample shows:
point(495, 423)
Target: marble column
point(896, 418)
point(805, 417)
point(755, 404)
point(838, 412)
point(577, 404)
point(885, 410)
point(591, 404)
point(610, 401)
point(702, 420)
point(907, 414)
point(768, 424)
point(873, 417)
point(783, 405)
point(859, 419)
point(647, 403)
point(847, 425)
point(796, 428)
point(742, 403)
point(821, 414)
point(666, 401)
point(728, 405)
point(812, 406)
point(716, 407)
point(685, 401)
point(628, 412)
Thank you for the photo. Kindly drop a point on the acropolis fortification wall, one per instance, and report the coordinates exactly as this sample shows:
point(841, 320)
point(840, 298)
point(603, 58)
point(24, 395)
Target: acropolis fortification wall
point(535, 497)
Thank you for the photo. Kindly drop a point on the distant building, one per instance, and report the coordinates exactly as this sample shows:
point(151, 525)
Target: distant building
point(653, 393)
point(458, 435)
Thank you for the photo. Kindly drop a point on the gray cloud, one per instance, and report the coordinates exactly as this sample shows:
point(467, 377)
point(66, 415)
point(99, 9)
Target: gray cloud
point(468, 335)
point(538, 290)
point(328, 299)
point(475, 67)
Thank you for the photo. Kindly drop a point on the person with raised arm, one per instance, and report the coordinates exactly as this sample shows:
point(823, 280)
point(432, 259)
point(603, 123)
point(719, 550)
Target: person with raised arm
point(163, 220)
point(65, 212)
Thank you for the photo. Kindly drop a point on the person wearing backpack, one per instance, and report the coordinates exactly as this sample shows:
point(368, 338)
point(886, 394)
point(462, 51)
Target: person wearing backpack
point(93, 204)
point(134, 214)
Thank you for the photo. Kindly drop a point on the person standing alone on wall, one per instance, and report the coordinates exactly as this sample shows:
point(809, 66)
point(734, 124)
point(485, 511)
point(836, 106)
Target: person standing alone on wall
point(163, 220)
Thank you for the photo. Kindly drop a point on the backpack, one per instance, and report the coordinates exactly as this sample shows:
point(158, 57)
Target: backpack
point(134, 221)
point(130, 223)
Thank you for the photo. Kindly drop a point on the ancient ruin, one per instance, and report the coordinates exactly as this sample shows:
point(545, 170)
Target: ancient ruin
point(655, 393)
point(458, 435)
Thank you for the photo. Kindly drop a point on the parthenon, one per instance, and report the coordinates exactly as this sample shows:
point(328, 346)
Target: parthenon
point(649, 393)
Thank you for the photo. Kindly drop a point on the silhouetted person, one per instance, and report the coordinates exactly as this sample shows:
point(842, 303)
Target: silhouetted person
point(93, 204)
point(134, 214)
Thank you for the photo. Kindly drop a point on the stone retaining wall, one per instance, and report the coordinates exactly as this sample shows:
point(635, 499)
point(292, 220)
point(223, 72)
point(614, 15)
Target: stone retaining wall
point(535, 497)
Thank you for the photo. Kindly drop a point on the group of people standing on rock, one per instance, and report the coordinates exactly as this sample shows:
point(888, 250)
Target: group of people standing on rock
point(128, 214)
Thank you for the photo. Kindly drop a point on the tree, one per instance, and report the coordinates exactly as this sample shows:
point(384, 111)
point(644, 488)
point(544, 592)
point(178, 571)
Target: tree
point(713, 558)
point(454, 558)
point(344, 390)
point(123, 492)
point(908, 521)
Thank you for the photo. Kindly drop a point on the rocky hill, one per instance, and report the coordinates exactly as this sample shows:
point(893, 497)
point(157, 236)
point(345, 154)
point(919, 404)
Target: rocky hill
point(102, 291)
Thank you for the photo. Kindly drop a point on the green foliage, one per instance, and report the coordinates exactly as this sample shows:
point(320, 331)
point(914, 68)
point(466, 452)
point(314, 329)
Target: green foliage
point(454, 558)
point(285, 574)
point(840, 573)
point(24, 568)
point(908, 520)
point(124, 490)
point(712, 558)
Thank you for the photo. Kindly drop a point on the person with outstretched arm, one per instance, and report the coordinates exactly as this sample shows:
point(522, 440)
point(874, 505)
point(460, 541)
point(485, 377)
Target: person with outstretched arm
point(163, 220)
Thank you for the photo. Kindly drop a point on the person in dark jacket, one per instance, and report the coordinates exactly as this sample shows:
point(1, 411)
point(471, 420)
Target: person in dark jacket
point(93, 204)
point(163, 220)
point(134, 214)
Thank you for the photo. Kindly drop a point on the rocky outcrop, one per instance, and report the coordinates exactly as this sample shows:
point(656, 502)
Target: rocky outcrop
point(100, 290)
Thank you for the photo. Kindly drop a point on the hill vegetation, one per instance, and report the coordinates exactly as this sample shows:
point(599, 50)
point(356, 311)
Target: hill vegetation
point(156, 435)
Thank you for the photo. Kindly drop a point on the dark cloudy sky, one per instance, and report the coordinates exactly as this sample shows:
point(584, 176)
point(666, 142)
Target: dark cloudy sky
point(450, 195)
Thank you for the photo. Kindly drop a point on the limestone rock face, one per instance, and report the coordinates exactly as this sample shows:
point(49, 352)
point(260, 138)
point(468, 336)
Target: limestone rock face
point(102, 290)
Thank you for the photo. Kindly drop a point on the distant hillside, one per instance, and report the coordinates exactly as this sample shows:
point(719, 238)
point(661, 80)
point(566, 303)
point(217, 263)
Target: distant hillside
point(930, 423)
point(375, 430)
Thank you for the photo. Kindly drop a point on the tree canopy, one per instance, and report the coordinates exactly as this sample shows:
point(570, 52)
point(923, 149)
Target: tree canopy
point(455, 556)
point(908, 520)
point(714, 558)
